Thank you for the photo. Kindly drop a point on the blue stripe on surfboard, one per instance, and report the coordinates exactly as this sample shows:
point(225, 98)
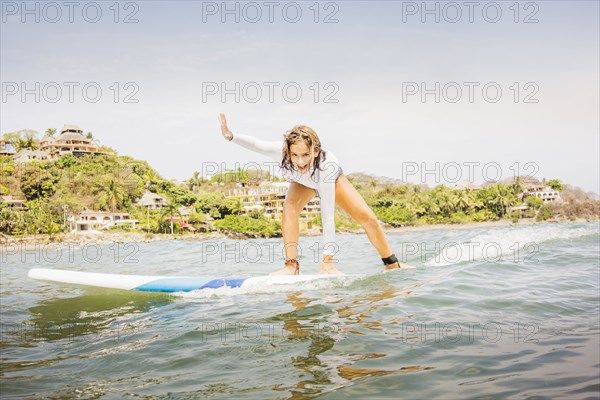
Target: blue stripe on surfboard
point(188, 284)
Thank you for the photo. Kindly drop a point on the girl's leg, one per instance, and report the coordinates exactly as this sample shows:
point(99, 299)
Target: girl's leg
point(297, 197)
point(347, 197)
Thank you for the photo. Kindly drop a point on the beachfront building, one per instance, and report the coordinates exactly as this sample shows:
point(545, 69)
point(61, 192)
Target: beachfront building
point(185, 212)
point(15, 204)
point(183, 225)
point(98, 220)
point(27, 155)
point(182, 219)
point(6, 149)
point(152, 201)
point(70, 141)
point(541, 191)
point(268, 198)
point(520, 208)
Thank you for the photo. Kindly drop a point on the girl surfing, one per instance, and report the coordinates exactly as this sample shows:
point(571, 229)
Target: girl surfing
point(313, 169)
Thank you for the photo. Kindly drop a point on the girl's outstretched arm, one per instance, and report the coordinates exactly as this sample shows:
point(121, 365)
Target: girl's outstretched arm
point(269, 149)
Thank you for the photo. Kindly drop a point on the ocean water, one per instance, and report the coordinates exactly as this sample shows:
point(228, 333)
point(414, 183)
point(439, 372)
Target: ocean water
point(488, 312)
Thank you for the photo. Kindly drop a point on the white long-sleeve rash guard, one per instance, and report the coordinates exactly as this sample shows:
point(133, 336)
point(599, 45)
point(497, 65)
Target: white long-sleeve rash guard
point(323, 181)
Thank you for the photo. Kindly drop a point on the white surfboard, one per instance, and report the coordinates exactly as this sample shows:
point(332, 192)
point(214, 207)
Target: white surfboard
point(170, 284)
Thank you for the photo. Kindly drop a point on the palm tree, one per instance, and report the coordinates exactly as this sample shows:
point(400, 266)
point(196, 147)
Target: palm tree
point(19, 144)
point(195, 181)
point(442, 197)
point(462, 200)
point(373, 184)
point(151, 175)
point(112, 192)
point(415, 202)
point(501, 198)
point(430, 205)
point(26, 143)
point(417, 208)
point(517, 187)
point(446, 202)
point(477, 204)
point(170, 210)
point(50, 132)
point(414, 191)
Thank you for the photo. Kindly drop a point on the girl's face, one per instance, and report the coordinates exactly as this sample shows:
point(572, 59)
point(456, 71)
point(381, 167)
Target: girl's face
point(301, 156)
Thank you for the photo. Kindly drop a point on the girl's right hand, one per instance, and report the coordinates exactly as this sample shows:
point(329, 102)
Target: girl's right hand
point(224, 129)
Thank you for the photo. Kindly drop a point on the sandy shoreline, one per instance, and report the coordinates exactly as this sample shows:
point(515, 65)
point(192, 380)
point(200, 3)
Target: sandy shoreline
point(11, 243)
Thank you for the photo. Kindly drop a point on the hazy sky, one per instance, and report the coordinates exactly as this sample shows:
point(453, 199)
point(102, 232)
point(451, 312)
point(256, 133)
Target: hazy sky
point(383, 63)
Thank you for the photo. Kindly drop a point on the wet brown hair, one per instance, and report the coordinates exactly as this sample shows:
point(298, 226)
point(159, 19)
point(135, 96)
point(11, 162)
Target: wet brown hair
point(306, 135)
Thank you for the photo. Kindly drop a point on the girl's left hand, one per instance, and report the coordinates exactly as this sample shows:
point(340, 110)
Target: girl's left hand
point(224, 129)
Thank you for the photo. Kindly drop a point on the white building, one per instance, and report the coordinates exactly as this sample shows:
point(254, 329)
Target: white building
point(546, 193)
point(97, 220)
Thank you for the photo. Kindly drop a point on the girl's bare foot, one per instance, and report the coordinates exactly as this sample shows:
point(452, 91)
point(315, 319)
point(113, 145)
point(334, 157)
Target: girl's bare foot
point(329, 269)
point(397, 265)
point(285, 271)
point(292, 267)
